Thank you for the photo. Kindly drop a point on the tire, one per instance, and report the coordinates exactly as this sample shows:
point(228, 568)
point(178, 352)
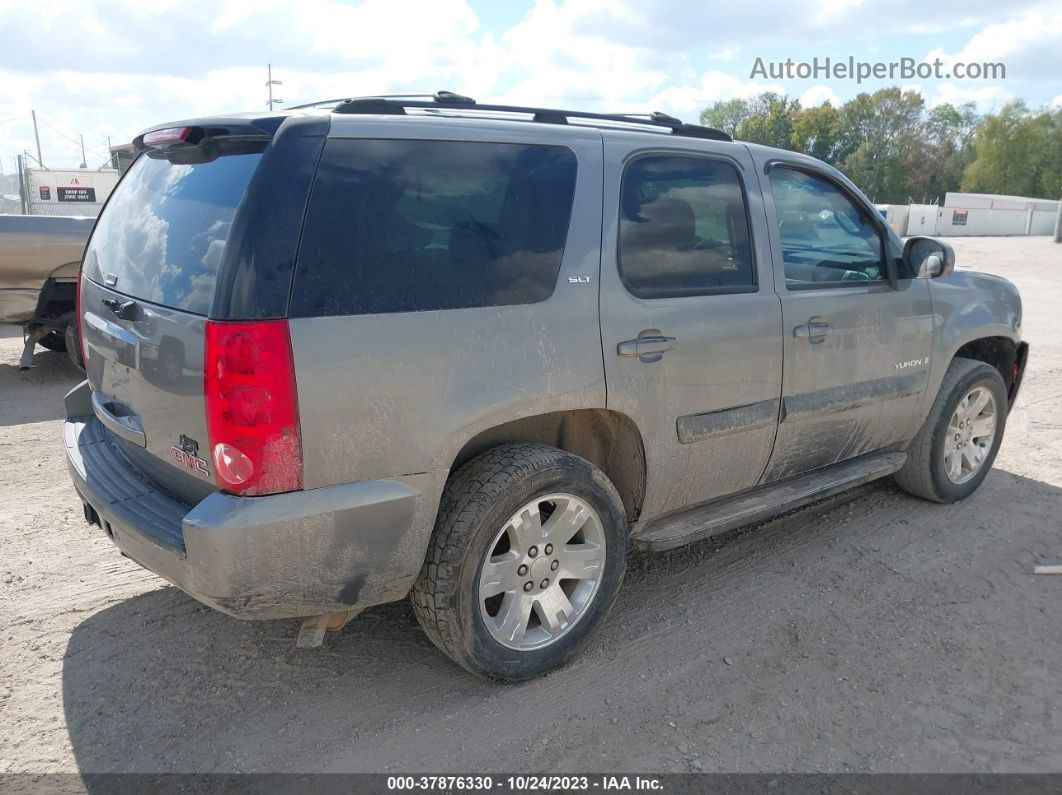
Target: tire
point(478, 516)
point(53, 342)
point(925, 473)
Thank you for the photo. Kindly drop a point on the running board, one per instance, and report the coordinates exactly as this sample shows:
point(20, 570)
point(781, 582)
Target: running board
point(764, 502)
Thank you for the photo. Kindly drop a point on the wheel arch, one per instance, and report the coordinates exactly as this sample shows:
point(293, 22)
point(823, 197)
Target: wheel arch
point(999, 352)
point(995, 344)
point(56, 299)
point(608, 439)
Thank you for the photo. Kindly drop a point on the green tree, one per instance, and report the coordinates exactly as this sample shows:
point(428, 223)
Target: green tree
point(726, 115)
point(946, 151)
point(956, 124)
point(1049, 135)
point(770, 121)
point(816, 131)
point(897, 149)
point(880, 136)
point(1017, 153)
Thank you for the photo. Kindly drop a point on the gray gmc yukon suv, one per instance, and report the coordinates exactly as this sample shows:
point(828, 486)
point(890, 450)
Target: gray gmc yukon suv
point(470, 353)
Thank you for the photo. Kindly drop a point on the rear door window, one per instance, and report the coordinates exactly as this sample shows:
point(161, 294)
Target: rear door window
point(162, 234)
point(409, 226)
point(683, 228)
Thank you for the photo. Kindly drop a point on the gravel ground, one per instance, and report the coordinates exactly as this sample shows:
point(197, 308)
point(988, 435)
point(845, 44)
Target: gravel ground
point(872, 633)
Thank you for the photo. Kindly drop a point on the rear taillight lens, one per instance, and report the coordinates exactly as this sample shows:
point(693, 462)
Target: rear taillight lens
point(252, 407)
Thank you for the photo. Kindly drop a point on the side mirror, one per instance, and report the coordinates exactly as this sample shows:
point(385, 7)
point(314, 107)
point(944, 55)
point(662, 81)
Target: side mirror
point(929, 258)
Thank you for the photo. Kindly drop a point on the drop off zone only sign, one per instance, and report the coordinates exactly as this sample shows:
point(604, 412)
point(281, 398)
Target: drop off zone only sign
point(70, 192)
point(65, 194)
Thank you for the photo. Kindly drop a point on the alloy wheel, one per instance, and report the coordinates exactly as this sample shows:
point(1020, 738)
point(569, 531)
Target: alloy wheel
point(541, 572)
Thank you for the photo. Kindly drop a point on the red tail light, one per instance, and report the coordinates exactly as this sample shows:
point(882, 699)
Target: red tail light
point(252, 407)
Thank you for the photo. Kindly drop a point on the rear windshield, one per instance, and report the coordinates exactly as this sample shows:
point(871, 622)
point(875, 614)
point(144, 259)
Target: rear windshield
point(409, 226)
point(163, 231)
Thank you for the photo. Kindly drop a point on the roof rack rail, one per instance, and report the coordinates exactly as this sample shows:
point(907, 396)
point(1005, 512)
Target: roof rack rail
point(441, 97)
point(396, 104)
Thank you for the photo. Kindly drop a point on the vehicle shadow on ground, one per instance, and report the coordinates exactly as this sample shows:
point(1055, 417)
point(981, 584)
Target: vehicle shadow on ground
point(36, 395)
point(158, 682)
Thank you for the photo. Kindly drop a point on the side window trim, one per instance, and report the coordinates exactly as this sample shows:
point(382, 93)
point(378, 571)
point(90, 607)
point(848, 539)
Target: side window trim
point(687, 154)
point(857, 201)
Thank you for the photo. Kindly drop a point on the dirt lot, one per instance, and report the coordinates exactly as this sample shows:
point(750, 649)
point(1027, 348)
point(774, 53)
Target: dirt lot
point(879, 633)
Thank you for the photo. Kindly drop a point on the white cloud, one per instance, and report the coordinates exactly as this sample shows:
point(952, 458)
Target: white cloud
point(557, 60)
point(818, 94)
point(987, 98)
point(728, 54)
point(687, 101)
point(831, 10)
point(1056, 102)
point(1029, 45)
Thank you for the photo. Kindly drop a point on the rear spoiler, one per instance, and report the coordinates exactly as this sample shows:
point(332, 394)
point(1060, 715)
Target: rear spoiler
point(203, 140)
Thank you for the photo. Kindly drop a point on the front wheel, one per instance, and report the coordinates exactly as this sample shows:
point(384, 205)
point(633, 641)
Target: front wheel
point(525, 562)
point(956, 447)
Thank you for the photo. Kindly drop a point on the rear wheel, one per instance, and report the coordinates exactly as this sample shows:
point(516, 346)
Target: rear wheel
point(525, 562)
point(956, 447)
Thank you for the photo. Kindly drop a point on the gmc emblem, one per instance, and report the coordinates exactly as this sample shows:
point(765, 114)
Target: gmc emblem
point(190, 461)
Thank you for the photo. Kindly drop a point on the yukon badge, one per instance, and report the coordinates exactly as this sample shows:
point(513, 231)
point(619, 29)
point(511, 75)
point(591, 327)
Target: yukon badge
point(911, 363)
point(186, 453)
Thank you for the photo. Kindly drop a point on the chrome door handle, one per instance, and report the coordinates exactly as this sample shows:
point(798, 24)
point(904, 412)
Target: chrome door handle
point(648, 349)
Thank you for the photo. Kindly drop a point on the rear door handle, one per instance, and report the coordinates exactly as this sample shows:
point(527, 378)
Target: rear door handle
point(648, 349)
point(814, 331)
point(123, 310)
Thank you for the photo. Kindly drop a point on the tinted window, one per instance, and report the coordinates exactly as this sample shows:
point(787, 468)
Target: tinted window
point(408, 226)
point(683, 228)
point(164, 229)
point(825, 237)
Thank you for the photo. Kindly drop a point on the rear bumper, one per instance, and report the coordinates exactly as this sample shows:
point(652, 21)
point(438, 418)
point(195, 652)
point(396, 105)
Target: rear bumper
point(281, 556)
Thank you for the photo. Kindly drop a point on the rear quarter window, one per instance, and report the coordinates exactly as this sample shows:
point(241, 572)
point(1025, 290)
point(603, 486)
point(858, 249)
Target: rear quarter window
point(410, 226)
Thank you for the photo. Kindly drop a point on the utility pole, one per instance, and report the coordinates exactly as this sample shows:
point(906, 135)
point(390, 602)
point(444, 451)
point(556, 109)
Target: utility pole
point(83, 163)
point(270, 82)
point(23, 198)
point(37, 137)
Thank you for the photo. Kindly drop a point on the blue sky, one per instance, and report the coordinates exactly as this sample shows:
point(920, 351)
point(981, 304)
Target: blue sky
point(112, 67)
